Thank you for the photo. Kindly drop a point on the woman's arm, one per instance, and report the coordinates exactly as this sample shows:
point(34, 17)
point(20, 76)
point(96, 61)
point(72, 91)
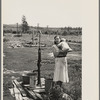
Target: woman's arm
point(63, 52)
point(70, 50)
point(55, 50)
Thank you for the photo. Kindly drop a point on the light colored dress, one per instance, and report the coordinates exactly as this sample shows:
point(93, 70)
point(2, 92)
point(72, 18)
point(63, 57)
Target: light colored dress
point(61, 68)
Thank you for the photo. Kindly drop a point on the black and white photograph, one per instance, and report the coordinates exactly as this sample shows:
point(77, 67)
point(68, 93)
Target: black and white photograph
point(42, 49)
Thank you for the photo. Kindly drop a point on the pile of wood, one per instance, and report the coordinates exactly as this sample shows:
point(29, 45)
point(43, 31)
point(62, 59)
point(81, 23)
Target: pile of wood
point(27, 88)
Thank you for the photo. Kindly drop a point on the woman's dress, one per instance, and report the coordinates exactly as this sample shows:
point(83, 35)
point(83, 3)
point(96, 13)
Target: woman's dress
point(61, 67)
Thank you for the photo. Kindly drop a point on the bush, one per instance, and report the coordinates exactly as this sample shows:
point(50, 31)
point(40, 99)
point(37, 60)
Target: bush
point(14, 32)
point(73, 89)
point(69, 41)
point(55, 92)
point(7, 31)
point(5, 40)
point(64, 33)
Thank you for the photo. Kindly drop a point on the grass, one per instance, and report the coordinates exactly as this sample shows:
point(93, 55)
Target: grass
point(22, 59)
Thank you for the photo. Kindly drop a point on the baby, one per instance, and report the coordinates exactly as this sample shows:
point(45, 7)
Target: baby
point(64, 46)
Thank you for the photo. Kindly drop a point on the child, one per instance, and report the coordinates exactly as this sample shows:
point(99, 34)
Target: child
point(64, 46)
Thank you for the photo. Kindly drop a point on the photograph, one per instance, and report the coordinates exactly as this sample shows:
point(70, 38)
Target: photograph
point(42, 49)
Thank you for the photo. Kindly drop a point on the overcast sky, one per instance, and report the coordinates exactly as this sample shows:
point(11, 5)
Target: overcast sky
point(54, 13)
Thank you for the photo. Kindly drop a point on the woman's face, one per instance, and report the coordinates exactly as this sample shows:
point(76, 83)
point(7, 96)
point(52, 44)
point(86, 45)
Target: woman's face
point(57, 40)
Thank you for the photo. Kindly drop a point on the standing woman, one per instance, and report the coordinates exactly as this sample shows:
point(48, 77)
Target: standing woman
point(61, 67)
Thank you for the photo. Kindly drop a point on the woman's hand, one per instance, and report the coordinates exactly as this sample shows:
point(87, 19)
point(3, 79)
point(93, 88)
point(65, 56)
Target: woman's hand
point(56, 54)
point(64, 51)
point(70, 50)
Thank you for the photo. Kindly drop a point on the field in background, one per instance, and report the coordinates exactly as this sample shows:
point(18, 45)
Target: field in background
point(17, 60)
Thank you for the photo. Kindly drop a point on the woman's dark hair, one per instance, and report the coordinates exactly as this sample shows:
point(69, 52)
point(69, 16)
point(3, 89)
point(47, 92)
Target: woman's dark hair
point(55, 38)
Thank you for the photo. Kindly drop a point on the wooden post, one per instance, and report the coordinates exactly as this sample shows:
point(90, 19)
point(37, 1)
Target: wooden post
point(17, 28)
point(33, 37)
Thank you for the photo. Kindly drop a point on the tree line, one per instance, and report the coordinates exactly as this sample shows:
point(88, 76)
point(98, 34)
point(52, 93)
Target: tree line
point(24, 28)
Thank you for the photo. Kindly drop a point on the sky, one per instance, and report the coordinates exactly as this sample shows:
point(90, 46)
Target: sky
point(54, 13)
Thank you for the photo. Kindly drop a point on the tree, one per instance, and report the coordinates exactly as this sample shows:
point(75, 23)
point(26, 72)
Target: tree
point(25, 26)
point(64, 33)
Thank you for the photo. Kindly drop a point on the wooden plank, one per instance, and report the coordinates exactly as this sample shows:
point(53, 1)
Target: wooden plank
point(20, 88)
point(31, 93)
point(26, 98)
point(34, 95)
point(39, 90)
point(39, 96)
point(16, 93)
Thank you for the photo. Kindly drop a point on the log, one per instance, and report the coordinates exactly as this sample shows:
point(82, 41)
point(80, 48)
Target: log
point(31, 94)
point(20, 88)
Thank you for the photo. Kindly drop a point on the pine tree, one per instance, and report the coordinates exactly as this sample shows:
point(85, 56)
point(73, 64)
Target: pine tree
point(25, 26)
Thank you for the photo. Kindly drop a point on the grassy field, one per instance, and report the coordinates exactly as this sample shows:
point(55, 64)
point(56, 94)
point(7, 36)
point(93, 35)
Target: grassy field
point(17, 60)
